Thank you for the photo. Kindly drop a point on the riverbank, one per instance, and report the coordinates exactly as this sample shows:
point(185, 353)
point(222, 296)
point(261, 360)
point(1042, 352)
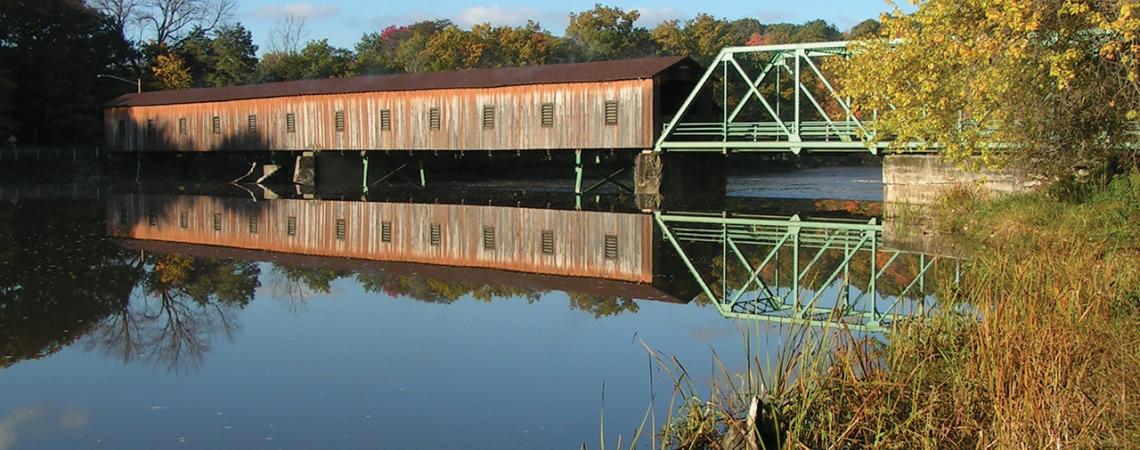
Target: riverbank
point(1052, 362)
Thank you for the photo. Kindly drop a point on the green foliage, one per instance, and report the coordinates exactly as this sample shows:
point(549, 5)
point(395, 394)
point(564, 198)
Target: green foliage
point(606, 32)
point(316, 60)
point(234, 57)
point(701, 37)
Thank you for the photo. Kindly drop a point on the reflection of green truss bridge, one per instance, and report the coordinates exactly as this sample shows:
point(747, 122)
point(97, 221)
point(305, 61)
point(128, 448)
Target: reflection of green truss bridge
point(772, 98)
point(791, 271)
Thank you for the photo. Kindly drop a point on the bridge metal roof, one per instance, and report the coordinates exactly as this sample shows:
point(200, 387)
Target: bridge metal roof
point(584, 72)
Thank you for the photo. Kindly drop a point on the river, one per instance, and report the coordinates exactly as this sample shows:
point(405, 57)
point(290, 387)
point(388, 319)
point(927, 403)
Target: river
point(124, 328)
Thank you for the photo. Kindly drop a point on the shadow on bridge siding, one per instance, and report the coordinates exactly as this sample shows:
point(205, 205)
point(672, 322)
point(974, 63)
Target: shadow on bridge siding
point(230, 158)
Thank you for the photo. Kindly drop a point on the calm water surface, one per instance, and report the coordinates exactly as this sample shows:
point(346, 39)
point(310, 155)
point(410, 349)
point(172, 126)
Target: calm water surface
point(106, 343)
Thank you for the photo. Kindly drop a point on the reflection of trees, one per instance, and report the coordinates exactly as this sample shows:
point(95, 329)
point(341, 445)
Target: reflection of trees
point(187, 303)
point(297, 282)
point(434, 290)
point(602, 306)
point(58, 276)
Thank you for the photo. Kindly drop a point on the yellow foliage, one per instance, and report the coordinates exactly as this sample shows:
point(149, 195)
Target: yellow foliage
point(972, 76)
point(170, 70)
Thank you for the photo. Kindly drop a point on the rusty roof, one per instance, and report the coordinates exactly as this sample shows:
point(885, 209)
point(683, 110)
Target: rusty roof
point(585, 72)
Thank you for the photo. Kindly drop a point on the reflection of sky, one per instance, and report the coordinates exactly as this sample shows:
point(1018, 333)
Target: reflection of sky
point(356, 369)
point(39, 420)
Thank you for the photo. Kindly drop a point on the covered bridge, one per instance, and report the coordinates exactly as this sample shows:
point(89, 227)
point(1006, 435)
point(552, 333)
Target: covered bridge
point(591, 105)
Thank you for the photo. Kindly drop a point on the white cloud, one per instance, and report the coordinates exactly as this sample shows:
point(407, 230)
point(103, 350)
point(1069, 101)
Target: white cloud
point(304, 10)
point(650, 16)
point(497, 15)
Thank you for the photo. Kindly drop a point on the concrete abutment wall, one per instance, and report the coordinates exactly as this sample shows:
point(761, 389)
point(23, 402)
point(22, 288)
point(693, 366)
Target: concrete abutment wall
point(919, 179)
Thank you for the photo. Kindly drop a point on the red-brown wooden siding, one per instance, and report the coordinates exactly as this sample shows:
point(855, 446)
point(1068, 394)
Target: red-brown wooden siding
point(579, 120)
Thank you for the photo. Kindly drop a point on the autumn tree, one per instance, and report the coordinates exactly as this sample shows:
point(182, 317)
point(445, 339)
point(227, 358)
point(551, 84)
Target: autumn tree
point(170, 72)
point(1050, 84)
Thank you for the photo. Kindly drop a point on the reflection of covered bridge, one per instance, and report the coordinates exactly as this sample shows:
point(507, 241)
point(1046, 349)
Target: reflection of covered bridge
point(606, 245)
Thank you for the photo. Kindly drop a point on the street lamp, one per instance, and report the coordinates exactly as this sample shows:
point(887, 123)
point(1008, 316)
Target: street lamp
point(137, 81)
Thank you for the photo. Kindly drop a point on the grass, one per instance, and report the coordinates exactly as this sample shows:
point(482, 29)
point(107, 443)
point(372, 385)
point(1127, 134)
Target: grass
point(1051, 360)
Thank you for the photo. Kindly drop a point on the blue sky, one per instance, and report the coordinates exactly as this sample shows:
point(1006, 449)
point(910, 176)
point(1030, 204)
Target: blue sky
point(344, 21)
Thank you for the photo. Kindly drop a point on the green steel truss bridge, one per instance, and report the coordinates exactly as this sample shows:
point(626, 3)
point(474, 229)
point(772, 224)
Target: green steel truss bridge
point(772, 98)
point(786, 270)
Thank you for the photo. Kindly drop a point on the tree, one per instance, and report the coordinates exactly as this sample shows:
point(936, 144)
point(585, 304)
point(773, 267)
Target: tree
point(866, 29)
point(321, 60)
point(701, 37)
point(317, 60)
point(454, 49)
point(376, 53)
point(287, 35)
point(517, 46)
point(1051, 83)
point(167, 22)
point(170, 72)
point(234, 56)
point(604, 33)
point(52, 51)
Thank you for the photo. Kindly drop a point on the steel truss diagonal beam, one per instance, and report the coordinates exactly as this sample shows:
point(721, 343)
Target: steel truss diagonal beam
point(787, 123)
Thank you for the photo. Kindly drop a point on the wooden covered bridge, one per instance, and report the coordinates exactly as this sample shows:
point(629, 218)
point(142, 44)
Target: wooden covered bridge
point(615, 106)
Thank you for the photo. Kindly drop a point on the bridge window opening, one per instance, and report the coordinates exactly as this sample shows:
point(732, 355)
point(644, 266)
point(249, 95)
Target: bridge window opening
point(340, 229)
point(151, 218)
point(488, 117)
point(184, 220)
point(290, 123)
point(253, 123)
point(488, 238)
point(339, 119)
point(548, 242)
point(385, 231)
point(121, 131)
point(216, 125)
point(611, 112)
point(433, 118)
point(217, 221)
point(182, 126)
point(150, 126)
point(547, 114)
point(611, 246)
point(291, 226)
point(385, 120)
point(253, 224)
point(122, 218)
point(435, 235)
